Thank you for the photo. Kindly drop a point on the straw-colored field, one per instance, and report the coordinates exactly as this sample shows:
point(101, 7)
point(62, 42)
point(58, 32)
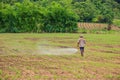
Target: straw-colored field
point(96, 26)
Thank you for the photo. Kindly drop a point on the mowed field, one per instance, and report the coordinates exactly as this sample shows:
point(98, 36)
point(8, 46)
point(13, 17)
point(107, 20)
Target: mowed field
point(21, 57)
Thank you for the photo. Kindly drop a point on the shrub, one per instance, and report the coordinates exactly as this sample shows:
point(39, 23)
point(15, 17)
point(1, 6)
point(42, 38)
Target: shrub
point(21, 17)
point(59, 19)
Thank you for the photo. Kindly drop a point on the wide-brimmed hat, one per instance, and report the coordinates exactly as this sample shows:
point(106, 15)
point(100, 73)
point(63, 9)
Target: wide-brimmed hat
point(81, 36)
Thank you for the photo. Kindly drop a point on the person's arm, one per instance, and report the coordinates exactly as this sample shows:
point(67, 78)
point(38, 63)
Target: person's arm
point(85, 41)
point(78, 43)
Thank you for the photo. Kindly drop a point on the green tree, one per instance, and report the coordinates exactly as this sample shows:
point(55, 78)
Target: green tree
point(59, 19)
point(21, 17)
point(85, 10)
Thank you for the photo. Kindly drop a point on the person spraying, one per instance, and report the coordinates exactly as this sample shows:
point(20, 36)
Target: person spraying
point(81, 44)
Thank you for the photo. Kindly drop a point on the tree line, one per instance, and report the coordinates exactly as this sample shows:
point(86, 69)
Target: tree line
point(54, 15)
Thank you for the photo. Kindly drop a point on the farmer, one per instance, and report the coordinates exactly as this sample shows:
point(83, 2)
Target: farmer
point(81, 44)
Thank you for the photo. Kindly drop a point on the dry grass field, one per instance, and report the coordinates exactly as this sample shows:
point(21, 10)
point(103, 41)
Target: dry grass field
point(96, 26)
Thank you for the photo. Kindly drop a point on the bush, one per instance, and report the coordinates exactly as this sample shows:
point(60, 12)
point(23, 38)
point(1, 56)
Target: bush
point(21, 17)
point(31, 17)
point(59, 19)
point(85, 10)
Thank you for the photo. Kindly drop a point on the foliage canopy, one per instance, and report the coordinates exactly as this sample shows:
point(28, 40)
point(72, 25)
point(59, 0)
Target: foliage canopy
point(54, 15)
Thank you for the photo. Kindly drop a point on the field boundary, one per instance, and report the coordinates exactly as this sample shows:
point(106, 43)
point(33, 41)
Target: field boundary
point(97, 26)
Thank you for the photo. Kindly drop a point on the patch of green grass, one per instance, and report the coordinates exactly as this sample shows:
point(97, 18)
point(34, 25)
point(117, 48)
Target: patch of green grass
point(17, 73)
point(116, 22)
point(118, 76)
point(112, 77)
point(101, 64)
point(1, 74)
